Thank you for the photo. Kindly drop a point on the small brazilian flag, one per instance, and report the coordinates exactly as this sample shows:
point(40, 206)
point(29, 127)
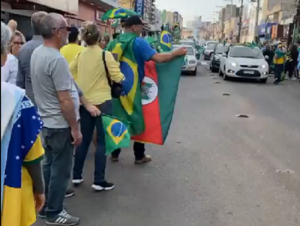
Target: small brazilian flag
point(116, 134)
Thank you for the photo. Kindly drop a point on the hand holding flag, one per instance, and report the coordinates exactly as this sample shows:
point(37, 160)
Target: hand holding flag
point(182, 51)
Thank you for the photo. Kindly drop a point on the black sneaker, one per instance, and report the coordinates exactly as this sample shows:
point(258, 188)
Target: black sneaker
point(64, 218)
point(42, 214)
point(103, 186)
point(69, 193)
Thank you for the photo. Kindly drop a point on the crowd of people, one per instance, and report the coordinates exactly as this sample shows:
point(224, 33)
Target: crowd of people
point(283, 62)
point(54, 91)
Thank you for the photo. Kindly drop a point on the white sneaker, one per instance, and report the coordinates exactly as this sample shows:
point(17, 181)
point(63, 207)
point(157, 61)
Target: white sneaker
point(77, 181)
point(294, 79)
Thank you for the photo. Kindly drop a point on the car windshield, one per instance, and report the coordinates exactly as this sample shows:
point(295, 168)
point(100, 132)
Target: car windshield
point(246, 52)
point(190, 51)
point(188, 44)
point(211, 45)
point(221, 48)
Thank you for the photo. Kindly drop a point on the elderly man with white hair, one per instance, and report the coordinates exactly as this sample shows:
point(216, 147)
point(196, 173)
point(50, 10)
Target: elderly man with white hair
point(58, 99)
point(6, 34)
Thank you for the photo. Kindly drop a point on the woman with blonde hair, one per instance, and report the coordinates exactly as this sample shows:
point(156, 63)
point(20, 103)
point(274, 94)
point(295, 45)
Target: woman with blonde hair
point(16, 43)
point(9, 71)
point(93, 79)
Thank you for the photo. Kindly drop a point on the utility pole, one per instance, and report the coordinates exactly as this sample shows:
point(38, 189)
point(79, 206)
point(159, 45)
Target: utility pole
point(256, 19)
point(241, 21)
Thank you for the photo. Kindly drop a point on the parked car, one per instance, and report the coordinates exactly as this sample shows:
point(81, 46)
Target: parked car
point(209, 49)
point(244, 62)
point(191, 60)
point(190, 42)
point(217, 55)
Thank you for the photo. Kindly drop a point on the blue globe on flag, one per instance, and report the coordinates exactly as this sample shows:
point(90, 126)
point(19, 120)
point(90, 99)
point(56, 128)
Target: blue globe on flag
point(117, 129)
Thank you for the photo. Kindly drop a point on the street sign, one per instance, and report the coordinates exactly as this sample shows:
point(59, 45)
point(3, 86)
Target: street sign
point(139, 7)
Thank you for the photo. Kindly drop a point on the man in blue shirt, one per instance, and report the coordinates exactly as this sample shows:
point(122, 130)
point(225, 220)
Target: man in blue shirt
point(144, 52)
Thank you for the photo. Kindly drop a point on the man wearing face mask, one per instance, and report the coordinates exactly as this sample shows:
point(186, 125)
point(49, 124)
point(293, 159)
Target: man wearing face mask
point(143, 52)
point(58, 98)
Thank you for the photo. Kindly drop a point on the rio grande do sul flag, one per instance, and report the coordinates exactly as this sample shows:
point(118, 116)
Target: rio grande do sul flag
point(159, 91)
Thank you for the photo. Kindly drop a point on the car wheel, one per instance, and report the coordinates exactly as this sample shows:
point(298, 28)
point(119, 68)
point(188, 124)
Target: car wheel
point(211, 67)
point(195, 72)
point(263, 80)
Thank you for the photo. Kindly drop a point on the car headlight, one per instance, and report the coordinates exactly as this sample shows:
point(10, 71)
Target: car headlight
point(233, 64)
point(192, 61)
point(263, 66)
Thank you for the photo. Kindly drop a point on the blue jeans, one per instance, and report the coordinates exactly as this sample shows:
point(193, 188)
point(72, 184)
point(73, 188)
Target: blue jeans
point(278, 72)
point(88, 124)
point(57, 167)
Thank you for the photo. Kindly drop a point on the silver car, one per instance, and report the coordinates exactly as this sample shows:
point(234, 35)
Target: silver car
point(209, 48)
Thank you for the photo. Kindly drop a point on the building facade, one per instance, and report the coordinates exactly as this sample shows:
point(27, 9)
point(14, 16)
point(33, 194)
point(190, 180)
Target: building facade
point(185, 33)
point(76, 12)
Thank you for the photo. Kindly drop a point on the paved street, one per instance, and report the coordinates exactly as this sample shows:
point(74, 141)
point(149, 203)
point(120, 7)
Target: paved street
point(215, 169)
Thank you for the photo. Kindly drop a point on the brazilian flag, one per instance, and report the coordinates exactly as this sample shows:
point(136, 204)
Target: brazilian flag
point(129, 106)
point(116, 134)
point(165, 43)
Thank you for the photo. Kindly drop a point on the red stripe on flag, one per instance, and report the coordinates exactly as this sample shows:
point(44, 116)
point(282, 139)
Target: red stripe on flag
point(151, 109)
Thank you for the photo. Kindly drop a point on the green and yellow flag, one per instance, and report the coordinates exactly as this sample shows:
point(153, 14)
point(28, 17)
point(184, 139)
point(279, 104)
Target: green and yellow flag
point(165, 43)
point(116, 134)
point(129, 106)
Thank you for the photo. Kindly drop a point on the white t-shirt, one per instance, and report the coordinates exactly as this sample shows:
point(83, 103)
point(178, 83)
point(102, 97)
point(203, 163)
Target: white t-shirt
point(9, 71)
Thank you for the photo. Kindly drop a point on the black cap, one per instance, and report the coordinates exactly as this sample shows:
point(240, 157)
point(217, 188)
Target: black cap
point(73, 34)
point(133, 20)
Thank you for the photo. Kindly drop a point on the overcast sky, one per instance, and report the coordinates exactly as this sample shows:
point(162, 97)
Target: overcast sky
point(191, 8)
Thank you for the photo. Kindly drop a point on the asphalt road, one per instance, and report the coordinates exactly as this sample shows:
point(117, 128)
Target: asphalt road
point(215, 169)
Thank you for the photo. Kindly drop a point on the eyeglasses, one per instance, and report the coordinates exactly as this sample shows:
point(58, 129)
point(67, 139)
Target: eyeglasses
point(62, 28)
point(18, 43)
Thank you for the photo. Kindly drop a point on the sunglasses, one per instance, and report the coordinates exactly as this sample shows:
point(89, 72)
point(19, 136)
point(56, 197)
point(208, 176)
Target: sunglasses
point(62, 28)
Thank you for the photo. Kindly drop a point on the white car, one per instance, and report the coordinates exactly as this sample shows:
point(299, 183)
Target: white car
point(188, 42)
point(191, 63)
point(244, 62)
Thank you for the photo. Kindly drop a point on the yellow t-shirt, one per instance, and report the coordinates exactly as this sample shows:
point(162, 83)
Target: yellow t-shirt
point(91, 75)
point(70, 51)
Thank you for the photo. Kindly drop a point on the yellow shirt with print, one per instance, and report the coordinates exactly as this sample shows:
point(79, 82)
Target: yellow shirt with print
point(279, 60)
point(69, 52)
point(91, 74)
